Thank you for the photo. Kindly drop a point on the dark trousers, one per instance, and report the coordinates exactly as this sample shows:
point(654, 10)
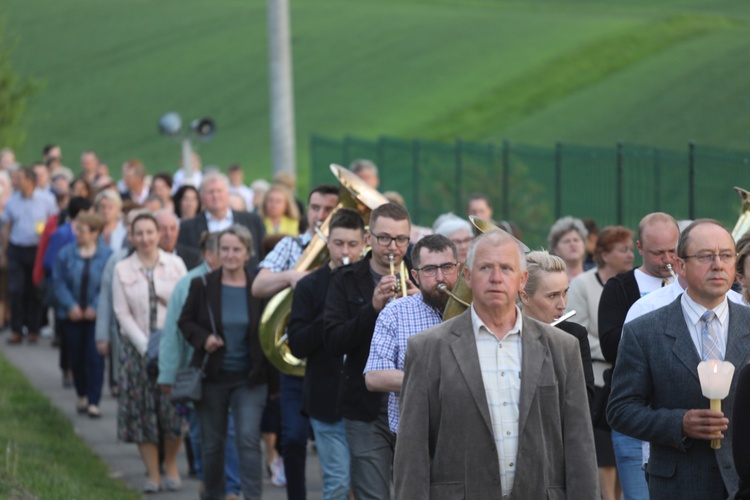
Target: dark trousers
point(25, 302)
point(85, 362)
point(295, 429)
point(246, 404)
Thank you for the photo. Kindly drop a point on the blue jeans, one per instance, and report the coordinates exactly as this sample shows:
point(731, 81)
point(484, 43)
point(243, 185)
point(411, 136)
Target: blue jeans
point(371, 446)
point(333, 453)
point(629, 456)
point(246, 404)
point(295, 429)
point(231, 457)
point(84, 360)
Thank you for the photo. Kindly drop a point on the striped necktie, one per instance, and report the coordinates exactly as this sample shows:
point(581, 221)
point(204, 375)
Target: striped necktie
point(709, 339)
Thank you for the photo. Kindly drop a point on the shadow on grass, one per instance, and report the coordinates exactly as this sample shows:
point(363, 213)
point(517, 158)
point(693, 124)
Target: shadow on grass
point(41, 455)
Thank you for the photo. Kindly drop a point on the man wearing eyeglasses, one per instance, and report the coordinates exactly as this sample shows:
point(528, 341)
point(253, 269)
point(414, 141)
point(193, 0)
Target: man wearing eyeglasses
point(435, 263)
point(657, 239)
point(656, 394)
point(356, 295)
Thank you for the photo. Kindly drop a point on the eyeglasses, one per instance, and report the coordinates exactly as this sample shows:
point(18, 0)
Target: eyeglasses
point(447, 269)
point(385, 240)
point(464, 241)
point(707, 258)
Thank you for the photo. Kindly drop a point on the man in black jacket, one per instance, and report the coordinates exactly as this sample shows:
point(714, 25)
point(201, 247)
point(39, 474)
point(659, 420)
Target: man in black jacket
point(657, 242)
point(322, 370)
point(356, 295)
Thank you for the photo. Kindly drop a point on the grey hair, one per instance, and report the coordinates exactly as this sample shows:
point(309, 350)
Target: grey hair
point(243, 234)
point(562, 227)
point(359, 165)
point(496, 237)
point(449, 223)
point(538, 262)
point(213, 177)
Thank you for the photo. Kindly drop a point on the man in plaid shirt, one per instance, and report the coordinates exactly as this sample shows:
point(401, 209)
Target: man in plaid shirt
point(435, 262)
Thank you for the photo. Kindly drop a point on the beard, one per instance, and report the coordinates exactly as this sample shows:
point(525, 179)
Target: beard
point(435, 298)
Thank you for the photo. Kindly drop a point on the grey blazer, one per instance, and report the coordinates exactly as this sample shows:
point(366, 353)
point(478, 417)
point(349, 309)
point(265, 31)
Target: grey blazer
point(655, 382)
point(445, 446)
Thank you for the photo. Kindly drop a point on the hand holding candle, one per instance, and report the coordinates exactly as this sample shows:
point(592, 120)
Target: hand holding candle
point(716, 378)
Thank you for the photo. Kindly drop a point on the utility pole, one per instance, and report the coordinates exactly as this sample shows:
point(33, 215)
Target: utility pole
point(282, 91)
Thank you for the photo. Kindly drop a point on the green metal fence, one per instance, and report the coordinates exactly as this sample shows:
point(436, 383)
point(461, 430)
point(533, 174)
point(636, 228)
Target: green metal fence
point(533, 186)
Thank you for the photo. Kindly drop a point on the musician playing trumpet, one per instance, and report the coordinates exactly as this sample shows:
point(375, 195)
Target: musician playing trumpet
point(356, 295)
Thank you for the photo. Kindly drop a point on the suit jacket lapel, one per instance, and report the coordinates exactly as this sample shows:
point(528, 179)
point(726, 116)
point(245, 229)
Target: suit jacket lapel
point(465, 351)
point(683, 347)
point(532, 360)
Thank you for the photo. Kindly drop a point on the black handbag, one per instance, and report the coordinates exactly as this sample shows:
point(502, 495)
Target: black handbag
point(188, 382)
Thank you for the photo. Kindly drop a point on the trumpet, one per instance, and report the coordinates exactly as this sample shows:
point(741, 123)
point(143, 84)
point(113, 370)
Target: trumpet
point(400, 287)
point(671, 271)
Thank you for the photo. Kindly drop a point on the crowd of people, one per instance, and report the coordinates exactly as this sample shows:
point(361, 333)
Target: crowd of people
point(570, 374)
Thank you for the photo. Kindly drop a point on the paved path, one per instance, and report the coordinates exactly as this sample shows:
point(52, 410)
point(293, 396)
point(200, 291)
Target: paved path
point(39, 364)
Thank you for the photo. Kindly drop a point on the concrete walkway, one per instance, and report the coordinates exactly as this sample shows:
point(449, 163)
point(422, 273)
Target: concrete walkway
point(39, 363)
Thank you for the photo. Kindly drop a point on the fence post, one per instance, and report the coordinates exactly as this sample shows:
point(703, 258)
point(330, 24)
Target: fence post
point(506, 178)
point(313, 158)
point(415, 180)
point(558, 180)
point(691, 180)
point(381, 154)
point(657, 180)
point(619, 196)
point(458, 172)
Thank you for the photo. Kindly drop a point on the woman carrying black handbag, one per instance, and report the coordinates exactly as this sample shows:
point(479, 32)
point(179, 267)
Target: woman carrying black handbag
point(236, 373)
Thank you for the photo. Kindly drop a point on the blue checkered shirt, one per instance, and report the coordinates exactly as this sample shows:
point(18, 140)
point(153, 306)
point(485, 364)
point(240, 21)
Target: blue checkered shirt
point(286, 253)
point(399, 320)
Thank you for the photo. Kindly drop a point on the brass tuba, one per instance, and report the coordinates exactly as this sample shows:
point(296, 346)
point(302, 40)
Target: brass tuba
point(743, 223)
point(459, 299)
point(354, 193)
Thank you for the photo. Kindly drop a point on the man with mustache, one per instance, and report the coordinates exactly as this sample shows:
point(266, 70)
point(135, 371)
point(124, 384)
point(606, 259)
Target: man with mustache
point(656, 394)
point(435, 263)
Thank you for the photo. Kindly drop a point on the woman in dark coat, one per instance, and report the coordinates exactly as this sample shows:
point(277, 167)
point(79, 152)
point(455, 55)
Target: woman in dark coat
point(220, 317)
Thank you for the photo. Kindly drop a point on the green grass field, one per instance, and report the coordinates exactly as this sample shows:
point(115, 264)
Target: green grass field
point(590, 72)
point(41, 455)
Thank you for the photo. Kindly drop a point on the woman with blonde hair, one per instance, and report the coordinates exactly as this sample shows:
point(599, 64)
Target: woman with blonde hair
point(108, 205)
point(279, 211)
point(545, 298)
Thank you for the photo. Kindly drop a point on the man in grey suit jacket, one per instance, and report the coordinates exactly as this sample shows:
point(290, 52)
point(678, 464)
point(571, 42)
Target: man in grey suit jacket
point(493, 404)
point(656, 394)
point(217, 216)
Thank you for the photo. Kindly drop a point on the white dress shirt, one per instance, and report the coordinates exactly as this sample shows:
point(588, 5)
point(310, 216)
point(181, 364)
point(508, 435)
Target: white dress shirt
point(500, 362)
point(215, 224)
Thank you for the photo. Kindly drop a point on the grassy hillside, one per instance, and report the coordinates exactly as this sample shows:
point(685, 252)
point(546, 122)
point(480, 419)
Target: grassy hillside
point(592, 72)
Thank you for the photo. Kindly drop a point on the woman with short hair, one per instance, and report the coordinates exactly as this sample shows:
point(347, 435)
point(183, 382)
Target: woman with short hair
point(566, 239)
point(221, 317)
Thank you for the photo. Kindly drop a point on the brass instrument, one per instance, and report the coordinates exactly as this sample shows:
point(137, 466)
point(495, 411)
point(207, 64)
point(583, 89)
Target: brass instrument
point(743, 223)
point(401, 283)
point(459, 299)
point(671, 271)
point(354, 193)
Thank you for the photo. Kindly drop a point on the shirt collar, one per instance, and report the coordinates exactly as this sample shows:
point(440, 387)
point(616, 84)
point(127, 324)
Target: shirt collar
point(694, 310)
point(479, 326)
point(229, 216)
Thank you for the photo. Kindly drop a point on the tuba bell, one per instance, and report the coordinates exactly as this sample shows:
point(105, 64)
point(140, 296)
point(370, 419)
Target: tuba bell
point(355, 194)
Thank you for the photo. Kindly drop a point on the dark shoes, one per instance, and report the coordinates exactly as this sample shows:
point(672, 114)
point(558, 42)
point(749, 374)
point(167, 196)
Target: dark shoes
point(15, 339)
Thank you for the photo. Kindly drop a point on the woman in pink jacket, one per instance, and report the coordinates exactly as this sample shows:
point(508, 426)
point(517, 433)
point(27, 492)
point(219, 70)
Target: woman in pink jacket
point(141, 287)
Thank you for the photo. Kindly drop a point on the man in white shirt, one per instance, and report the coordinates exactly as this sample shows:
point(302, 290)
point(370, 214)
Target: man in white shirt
point(656, 394)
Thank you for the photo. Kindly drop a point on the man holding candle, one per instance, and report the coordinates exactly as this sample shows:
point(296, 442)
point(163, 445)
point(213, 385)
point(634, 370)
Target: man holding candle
point(656, 393)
